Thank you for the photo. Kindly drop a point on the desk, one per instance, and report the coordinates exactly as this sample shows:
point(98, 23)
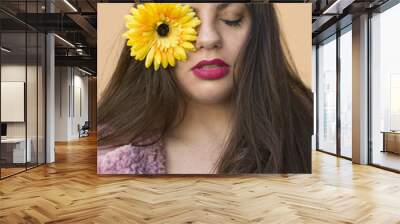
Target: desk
point(18, 151)
point(391, 141)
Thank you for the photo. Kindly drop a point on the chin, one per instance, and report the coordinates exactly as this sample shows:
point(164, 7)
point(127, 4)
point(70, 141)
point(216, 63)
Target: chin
point(206, 91)
point(209, 97)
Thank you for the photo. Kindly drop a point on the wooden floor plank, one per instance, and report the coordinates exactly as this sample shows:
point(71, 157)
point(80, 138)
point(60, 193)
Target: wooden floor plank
point(70, 191)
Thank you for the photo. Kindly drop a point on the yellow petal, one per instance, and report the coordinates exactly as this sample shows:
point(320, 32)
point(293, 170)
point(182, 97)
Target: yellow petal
point(148, 34)
point(164, 60)
point(150, 56)
point(157, 60)
point(179, 53)
point(170, 56)
point(189, 31)
point(141, 53)
point(130, 43)
point(186, 9)
point(132, 52)
point(189, 37)
point(186, 18)
point(133, 10)
point(188, 45)
point(128, 18)
point(174, 13)
point(192, 23)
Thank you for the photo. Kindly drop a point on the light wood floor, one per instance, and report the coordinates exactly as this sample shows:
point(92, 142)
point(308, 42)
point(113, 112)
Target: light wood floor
point(70, 191)
point(387, 159)
point(10, 171)
point(5, 172)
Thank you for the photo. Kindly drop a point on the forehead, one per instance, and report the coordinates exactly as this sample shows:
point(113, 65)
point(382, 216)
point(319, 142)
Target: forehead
point(215, 6)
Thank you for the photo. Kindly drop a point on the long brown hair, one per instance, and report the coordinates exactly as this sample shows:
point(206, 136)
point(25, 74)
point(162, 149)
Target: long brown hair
point(273, 115)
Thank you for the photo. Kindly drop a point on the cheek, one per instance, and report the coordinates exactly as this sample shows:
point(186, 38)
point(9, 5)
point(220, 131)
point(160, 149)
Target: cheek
point(234, 41)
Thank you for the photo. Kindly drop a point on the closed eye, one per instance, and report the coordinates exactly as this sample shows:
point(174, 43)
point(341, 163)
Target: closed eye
point(232, 22)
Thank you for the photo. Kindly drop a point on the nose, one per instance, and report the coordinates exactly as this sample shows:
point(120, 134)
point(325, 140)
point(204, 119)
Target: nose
point(208, 36)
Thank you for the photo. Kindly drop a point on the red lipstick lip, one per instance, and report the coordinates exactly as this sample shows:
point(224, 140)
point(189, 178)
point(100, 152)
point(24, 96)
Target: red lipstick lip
point(215, 61)
point(220, 71)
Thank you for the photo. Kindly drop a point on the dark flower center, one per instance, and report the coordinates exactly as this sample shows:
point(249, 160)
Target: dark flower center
point(163, 29)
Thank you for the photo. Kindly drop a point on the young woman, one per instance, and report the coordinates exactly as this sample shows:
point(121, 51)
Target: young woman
point(235, 105)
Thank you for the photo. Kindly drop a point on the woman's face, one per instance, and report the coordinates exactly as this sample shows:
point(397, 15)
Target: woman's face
point(207, 75)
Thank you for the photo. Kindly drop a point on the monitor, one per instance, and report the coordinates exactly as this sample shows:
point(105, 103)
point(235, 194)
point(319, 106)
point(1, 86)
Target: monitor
point(3, 129)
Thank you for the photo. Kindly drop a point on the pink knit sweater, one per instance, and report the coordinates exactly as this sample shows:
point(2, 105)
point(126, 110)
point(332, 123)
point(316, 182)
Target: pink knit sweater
point(129, 159)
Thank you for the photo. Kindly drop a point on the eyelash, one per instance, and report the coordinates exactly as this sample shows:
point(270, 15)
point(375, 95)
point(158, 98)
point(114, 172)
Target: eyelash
point(233, 23)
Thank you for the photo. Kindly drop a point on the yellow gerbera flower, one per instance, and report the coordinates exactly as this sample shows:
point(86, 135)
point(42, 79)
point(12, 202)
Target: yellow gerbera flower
point(161, 32)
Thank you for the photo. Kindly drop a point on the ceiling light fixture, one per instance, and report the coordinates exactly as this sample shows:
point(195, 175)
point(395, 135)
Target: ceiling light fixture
point(65, 41)
point(5, 50)
point(338, 6)
point(84, 71)
point(70, 5)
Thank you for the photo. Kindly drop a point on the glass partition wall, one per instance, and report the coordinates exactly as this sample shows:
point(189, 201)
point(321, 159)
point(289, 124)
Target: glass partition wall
point(334, 94)
point(13, 109)
point(22, 87)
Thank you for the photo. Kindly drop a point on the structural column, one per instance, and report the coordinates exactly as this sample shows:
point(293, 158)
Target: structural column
point(50, 92)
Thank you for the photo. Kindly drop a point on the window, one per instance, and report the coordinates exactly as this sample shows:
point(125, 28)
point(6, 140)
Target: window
point(385, 89)
point(346, 92)
point(327, 95)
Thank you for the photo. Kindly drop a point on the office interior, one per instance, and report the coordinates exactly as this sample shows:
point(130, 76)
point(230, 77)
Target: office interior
point(48, 82)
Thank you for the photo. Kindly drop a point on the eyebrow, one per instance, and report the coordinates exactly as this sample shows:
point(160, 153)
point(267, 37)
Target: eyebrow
point(222, 6)
point(219, 7)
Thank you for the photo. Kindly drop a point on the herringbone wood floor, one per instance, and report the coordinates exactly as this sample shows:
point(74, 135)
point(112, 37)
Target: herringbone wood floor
point(70, 191)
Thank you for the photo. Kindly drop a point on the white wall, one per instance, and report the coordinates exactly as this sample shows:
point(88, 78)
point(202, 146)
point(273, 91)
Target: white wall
point(12, 101)
point(80, 110)
point(61, 103)
point(70, 83)
point(12, 73)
